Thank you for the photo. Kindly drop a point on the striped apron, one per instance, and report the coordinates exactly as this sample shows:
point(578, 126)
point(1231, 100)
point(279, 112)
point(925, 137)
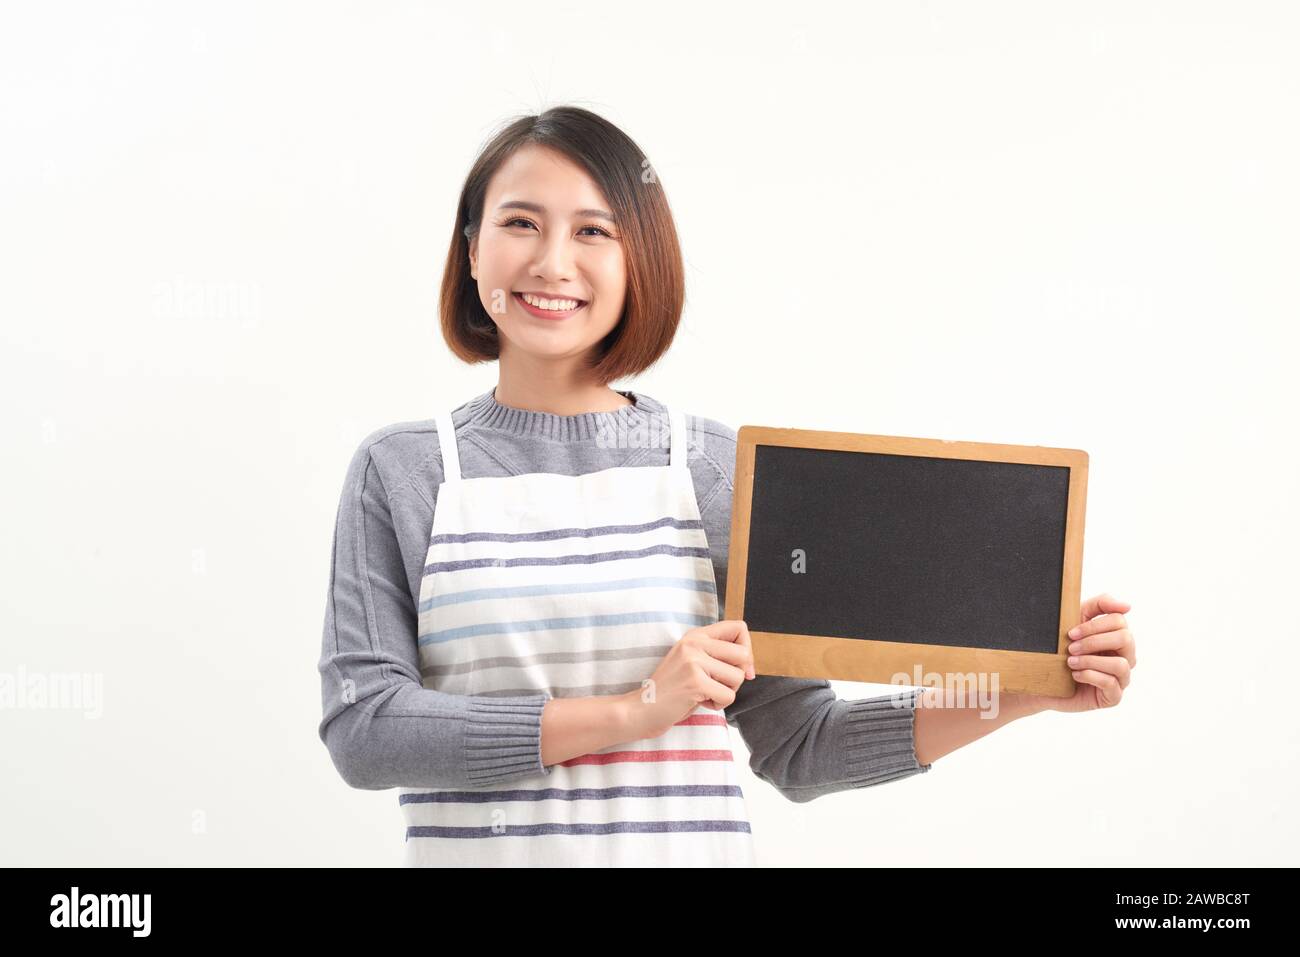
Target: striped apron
point(572, 586)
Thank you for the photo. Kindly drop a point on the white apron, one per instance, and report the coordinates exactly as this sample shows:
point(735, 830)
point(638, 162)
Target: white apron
point(574, 586)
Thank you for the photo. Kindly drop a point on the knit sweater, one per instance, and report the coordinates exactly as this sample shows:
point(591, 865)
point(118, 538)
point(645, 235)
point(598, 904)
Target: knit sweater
point(383, 729)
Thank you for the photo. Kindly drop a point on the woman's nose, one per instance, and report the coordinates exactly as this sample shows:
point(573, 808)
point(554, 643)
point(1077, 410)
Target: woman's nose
point(555, 259)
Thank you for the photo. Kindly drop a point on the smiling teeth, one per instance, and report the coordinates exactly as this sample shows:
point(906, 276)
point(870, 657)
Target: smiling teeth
point(552, 305)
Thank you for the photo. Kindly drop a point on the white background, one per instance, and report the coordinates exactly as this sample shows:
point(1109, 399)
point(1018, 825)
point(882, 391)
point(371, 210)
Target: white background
point(1052, 224)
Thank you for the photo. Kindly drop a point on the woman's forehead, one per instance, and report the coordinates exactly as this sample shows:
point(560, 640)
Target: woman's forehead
point(547, 182)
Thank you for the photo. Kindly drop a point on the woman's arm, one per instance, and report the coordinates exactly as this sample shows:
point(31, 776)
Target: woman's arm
point(943, 727)
point(382, 727)
point(577, 726)
point(1103, 654)
point(807, 742)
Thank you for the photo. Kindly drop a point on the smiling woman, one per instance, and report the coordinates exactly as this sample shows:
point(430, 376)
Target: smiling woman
point(524, 631)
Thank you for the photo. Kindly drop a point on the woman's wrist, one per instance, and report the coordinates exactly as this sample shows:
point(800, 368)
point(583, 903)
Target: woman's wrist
point(628, 713)
point(572, 727)
point(1023, 705)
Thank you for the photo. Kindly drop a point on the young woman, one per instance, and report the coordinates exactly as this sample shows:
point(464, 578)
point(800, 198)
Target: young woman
point(523, 634)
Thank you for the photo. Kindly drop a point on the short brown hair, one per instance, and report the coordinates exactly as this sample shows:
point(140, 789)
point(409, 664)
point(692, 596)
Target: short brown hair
point(656, 283)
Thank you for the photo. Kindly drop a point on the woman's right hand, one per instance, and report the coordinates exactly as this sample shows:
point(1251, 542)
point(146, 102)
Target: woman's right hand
point(705, 667)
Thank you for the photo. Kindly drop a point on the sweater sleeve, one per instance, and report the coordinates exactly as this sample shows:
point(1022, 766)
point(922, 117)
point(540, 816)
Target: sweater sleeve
point(383, 729)
point(803, 739)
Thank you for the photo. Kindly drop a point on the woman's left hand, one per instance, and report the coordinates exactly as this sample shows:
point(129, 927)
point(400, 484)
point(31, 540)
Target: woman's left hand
point(1103, 654)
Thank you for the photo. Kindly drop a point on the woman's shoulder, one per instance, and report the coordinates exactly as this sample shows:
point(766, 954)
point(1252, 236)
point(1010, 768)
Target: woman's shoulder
point(711, 430)
point(707, 438)
point(396, 451)
point(713, 441)
point(695, 424)
point(401, 448)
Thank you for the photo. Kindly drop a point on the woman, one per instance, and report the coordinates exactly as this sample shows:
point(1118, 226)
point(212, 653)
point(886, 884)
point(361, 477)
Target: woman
point(523, 630)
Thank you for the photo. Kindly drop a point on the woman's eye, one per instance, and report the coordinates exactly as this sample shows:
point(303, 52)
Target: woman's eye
point(529, 222)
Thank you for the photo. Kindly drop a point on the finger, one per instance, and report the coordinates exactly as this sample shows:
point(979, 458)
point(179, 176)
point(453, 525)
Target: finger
point(1110, 622)
point(1107, 684)
point(1112, 644)
point(1110, 664)
point(727, 674)
point(734, 630)
point(1106, 641)
point(729, 629)
point(749, 650)
point(736, 653)
point(1128, 648)
point(718, 693)
point(1100, 604)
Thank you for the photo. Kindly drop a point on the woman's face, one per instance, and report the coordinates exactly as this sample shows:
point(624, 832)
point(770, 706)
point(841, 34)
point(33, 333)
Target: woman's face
point(546, 231)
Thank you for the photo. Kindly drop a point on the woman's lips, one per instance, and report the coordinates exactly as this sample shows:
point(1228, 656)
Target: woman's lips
point(547, 313)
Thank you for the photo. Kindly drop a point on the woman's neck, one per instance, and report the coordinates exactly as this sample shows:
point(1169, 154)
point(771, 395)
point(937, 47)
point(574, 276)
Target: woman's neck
point(557, 399)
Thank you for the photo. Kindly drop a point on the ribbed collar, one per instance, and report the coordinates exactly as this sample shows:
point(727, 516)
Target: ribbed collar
point(486, 412)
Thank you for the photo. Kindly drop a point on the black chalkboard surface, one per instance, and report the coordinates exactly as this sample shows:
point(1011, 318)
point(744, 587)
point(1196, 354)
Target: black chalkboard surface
point(861, 556)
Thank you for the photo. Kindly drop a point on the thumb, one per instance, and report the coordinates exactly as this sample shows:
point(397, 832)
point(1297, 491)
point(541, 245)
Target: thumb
point(727, 629)
point(1101, 605)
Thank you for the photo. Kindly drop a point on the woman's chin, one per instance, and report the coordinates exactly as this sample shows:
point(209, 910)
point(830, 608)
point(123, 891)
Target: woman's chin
point(547, 343)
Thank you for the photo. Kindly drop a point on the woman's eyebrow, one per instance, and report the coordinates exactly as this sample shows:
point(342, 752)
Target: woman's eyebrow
point(538, 208)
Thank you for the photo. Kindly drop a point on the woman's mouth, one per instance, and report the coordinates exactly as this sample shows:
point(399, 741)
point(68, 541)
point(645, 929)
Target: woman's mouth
point(547, 308)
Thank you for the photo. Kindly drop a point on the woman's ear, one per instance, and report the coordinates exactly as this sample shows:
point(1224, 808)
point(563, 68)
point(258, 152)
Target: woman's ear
point(473, 257)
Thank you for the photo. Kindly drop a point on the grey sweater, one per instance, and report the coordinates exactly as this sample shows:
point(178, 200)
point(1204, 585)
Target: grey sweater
point(384, 729)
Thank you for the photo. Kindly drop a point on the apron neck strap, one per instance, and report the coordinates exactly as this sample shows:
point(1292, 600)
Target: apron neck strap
point(677, 448)
point(447, 442)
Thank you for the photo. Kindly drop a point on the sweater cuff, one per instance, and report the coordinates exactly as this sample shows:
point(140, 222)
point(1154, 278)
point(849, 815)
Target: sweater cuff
point(880, 739)
point(503, 738)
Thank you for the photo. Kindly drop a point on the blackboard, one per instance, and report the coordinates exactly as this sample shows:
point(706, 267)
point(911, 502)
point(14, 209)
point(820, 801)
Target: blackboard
point(857, 556)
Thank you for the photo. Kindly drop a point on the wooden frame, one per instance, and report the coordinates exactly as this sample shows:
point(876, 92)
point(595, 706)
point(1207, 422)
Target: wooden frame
point(856, 659)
